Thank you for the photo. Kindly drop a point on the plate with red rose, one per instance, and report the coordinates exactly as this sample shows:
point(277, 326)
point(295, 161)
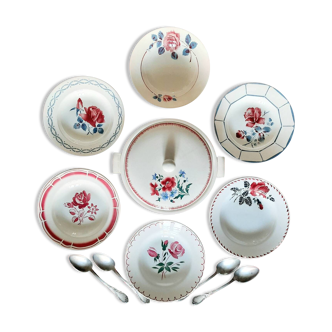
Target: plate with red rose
point(169, 67)
point(249, 217)
point(83, 115)
point(78, 208)
point(254, 122)
point(165, 260)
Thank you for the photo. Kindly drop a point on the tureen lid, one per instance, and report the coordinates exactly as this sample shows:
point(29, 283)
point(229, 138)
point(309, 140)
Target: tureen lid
point(78, 208)
point(168, 165)
point(83, 115)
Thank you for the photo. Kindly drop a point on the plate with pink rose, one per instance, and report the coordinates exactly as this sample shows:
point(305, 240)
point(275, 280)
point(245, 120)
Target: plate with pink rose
point(165, 260)
point(169, 67)
point(83, 115)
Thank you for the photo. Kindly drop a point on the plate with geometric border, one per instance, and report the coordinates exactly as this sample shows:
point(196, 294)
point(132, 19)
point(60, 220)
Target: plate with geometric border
point(254, 122)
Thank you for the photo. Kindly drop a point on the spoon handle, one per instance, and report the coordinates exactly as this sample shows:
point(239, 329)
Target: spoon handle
point(200, 286)
point(121, 296)
point(141, 297)
point(200, 298)
point(209, 278)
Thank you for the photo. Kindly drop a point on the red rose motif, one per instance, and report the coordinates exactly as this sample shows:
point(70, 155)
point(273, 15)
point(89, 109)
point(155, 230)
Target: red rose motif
point(93, 115)
point(152, 252)
point(168, 184)
point(240, 134)
point(79, 104)
point(172, 41)
point(259, 188)
point(166, 243)
point(68, 205)
point(253, 116)
point(176, 250)
point(81, 200)
point(260, 206)
point(154, 191)
point(167, 98)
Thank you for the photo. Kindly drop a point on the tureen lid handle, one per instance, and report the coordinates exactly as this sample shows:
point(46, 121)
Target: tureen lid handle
point(221, 167)
point(116, 163)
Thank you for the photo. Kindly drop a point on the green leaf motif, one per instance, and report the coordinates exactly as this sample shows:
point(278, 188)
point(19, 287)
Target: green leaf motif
point(187, 187)
point(161, 269)
point(174, 269)
point(169, 263)
point(160, 264)
point(167, 269)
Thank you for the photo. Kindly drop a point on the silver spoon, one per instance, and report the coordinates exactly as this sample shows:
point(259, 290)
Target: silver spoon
point(106, 263)
point(84, 264)
point(243, 274)
point(225, 266)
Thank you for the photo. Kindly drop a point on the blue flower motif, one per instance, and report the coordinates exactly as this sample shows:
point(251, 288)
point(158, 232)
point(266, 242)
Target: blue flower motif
point(154, 176)
point(182, 173)
point(164, 196)
point(173, 193)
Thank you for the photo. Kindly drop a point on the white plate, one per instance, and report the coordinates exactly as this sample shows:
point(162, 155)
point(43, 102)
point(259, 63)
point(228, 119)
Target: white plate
point(169, 67)
point(165, 260)
point(254, 122)
point(83, 115)
point(168, 165)
point(78, 208)
point(249, 217)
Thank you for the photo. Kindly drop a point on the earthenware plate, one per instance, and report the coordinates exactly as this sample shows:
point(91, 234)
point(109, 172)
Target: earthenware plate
point(168, 165)
point(83, 116)
point(78, 208)
point(165, 260)
point(254, 122)
point(249, 217)
point(169, 67)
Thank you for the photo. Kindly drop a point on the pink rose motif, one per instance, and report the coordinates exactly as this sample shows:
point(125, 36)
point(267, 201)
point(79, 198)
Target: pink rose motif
point(240, 134)
point(166, 243)
point(176, 250)
point(259, 188)
point(152, 252)
point(253, 116)
point(81, 200)
point(93, 115)
point(154, 191)
point(168, 184)
point(172, 41)
point(167, 98)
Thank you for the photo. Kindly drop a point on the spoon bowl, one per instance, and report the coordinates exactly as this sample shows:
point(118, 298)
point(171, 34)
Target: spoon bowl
point(80, 263)
point(228, 265)
point(84, 264)
point(245, 273)
point(104, 262)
